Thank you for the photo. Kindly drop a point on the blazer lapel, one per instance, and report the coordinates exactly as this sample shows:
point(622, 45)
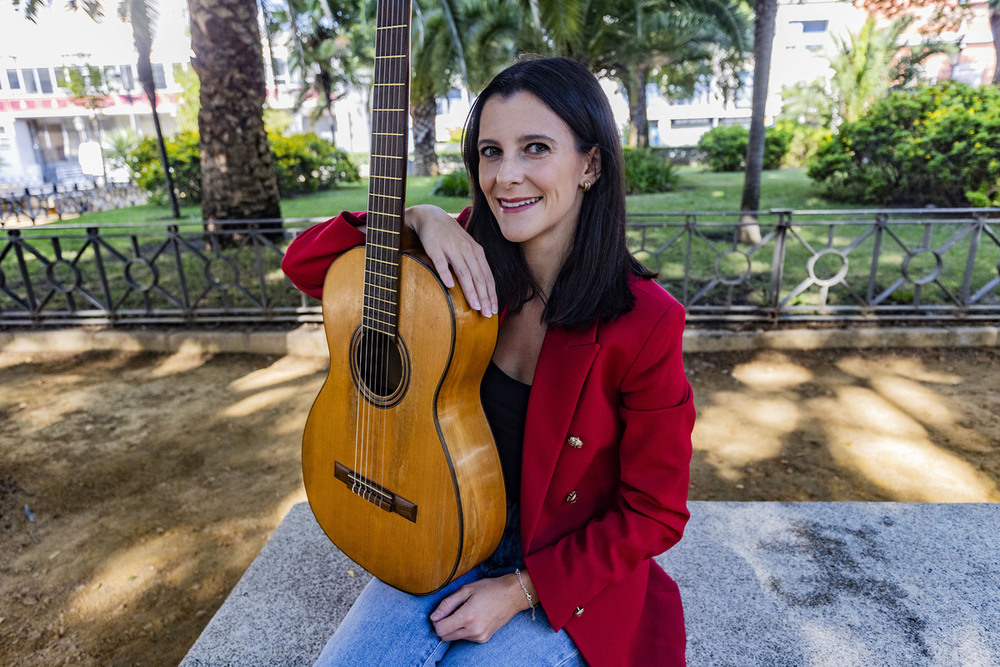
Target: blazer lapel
point(563, 365)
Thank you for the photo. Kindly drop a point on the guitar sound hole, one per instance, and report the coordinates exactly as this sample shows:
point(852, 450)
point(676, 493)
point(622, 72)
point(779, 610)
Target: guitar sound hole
point(380, 367)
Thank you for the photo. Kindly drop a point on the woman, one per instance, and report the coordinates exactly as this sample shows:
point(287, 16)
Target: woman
point(586, 395)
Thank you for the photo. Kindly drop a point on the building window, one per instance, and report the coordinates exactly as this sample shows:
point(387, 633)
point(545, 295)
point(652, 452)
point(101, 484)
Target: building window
point(45, 80)
point(744, 94)
point(127, 78)
point(15, 83)
point(814, 26)
point(159, 76)
point(679, 123)
point(30, 84)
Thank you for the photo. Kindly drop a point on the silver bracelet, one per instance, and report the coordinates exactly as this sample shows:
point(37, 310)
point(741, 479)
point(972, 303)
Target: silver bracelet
point(524, 588)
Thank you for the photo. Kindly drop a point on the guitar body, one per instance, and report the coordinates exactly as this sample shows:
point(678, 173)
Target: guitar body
point(398, 460)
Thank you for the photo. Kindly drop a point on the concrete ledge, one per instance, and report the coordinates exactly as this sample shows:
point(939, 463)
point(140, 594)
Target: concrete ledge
point(310, 340)
point(764, 584)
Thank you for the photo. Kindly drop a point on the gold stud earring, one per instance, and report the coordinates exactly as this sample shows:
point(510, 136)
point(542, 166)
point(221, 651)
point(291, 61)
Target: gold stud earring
point(586, 186)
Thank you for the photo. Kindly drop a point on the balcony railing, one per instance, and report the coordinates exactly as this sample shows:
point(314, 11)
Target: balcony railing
point(875, 265)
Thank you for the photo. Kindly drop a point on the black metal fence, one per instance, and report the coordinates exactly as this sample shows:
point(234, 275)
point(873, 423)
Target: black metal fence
point(33, 206)
point(914, 265)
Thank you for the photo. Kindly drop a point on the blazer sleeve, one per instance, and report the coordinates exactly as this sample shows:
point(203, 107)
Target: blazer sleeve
point(310, 254)
point(649, 508)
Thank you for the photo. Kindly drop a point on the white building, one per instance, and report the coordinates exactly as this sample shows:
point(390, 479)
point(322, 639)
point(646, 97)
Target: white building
point(46, 137)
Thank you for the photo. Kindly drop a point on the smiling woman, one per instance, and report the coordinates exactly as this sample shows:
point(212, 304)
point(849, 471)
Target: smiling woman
point(586, 396)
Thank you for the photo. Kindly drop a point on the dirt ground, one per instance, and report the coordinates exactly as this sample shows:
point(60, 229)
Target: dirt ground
point(135, 489)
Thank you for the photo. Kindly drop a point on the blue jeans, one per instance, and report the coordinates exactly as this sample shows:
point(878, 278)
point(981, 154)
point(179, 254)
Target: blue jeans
point(388, 627)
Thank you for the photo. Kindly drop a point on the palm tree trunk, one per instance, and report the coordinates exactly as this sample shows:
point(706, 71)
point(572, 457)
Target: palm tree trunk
point(638, 136)
point(424, 116)
point(238, 181)
point(763, 39)
point(995, 30)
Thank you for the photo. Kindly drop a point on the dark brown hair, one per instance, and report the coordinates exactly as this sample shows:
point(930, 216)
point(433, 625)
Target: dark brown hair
point(593, 282)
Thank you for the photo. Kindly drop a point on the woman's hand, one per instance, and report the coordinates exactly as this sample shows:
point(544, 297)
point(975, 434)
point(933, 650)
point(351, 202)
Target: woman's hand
point(476, 611)
point(453, 250)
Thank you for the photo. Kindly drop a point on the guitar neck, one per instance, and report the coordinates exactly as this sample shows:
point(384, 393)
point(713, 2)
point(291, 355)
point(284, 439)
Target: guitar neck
point(387, 169)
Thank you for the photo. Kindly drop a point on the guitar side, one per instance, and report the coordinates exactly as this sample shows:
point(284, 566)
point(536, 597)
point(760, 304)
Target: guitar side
point(405, 478)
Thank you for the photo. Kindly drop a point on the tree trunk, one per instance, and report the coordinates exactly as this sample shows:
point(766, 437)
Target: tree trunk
point(995, 29)
point(238, 180)
point(424, 116)
point(638, 136)
point(763, 38)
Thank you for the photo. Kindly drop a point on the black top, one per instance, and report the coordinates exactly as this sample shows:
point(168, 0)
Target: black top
point(505, 402)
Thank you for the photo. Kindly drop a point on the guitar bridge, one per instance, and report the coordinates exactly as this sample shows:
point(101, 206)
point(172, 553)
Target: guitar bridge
point(374, 493)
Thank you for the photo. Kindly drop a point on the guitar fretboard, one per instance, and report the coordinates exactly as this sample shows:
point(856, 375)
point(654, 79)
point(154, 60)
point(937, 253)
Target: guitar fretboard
point(387, 184)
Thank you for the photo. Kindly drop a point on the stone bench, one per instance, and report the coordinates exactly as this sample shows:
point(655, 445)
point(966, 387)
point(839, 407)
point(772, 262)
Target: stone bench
point(763, 584)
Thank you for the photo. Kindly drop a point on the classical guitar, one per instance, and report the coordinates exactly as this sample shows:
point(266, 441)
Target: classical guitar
point(398, 461)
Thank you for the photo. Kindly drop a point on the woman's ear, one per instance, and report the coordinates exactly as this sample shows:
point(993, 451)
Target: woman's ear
point(592, 172)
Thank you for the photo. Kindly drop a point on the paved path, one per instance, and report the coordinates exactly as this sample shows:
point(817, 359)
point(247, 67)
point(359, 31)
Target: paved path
point(764, 584)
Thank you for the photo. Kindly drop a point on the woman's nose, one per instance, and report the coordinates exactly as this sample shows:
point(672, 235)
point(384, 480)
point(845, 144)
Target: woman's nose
point(510, 172)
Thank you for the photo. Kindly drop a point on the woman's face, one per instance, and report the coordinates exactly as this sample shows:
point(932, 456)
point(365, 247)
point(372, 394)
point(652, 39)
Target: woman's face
point(531, 172)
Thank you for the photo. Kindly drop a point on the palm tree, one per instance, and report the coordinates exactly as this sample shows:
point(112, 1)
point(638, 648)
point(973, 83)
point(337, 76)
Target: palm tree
point(238, 181)
point(453, 42)
point(331, 41)
point(869, 63)
point(637, 43)
point(763, 40)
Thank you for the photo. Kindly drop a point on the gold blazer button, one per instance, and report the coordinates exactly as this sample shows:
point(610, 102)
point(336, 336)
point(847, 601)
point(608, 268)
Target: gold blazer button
point(571, 496)
point(578, 611)
point(574, 442)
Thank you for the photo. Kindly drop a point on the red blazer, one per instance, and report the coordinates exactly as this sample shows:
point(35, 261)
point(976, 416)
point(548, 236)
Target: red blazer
point(605, 471)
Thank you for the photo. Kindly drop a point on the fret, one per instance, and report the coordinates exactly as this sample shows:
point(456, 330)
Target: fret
point(375, 194)
point(372, 296)
point(389, 134)
point(382, 261)
point(373, 228)
point(377, 321)
point(381, 275)
point(400, 55)
point(387, 330)
point(384, 247)
point(384, 289)
point(369, 309)
point(387, 110)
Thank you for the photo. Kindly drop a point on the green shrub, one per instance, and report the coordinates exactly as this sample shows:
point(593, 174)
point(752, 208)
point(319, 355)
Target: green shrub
point(303, 163)
point(805, 141)
point(777, 139)
point(645, 171)
point(185, 167)
point(455, 184)
point(725, 146)
point(935, 145)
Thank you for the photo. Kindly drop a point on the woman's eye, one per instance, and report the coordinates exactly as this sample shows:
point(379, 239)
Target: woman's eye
point(537, 148)
point(489, 151)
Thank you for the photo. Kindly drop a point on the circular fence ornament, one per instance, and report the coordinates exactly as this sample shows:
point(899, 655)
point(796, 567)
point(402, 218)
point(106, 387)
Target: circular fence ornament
point(141, 274)
point(925, 262)
point(828, 267)
point(221, 273)
point(732, 267)
point(63, 276)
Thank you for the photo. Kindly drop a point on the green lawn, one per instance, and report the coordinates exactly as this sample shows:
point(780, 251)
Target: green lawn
point(697, 190)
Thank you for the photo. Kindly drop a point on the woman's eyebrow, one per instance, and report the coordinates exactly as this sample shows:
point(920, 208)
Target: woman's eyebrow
point(524, 139)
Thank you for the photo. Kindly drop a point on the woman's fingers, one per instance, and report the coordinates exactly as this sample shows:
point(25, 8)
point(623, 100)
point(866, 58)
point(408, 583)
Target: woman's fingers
point(455, 256)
